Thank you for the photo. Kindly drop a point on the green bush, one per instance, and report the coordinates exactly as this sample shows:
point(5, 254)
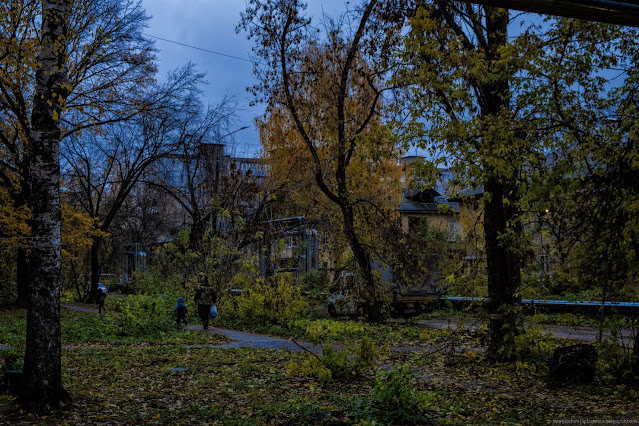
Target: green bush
point(351, 362)
point(11, 359)
point(141, 315)
point(324, 330)
point(315, 283)
point(278, 301)
point(8, 293)
point(394, 399)
point(593, 294)
point(617, 357)
point(533, 347)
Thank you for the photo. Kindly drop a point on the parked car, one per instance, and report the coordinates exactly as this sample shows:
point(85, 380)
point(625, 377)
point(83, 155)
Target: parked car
point(343, 303)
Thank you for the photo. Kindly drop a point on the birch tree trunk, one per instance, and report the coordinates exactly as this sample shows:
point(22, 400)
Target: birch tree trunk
point(43, 388)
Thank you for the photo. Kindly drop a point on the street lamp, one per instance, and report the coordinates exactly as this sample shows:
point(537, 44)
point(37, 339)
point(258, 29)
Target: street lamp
point(230, 133)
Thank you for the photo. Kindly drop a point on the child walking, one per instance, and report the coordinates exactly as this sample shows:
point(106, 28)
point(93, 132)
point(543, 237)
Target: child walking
point(180, 312)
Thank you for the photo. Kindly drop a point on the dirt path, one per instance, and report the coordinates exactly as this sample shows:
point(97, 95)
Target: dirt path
point(241, 339)
point(238, 339)
point(78, 308)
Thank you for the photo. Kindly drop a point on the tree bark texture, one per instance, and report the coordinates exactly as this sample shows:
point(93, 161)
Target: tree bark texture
point(503, 263)
point(196, 236)
point(371, 298)
point(21, 199)
point(22, 276)
point(503, 270)
point(43, 388)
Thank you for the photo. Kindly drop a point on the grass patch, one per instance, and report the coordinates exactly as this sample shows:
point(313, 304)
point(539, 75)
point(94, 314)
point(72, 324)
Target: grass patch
point(81, 328)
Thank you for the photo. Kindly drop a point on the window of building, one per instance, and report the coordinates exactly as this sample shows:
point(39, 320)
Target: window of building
point(454, 231)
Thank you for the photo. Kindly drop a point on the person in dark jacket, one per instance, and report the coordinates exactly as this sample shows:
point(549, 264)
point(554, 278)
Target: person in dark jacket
point(180, 312)
point(102, 293)
point(205, 297)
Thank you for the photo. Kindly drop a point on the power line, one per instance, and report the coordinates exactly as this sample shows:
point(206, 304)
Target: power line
point(202, 49)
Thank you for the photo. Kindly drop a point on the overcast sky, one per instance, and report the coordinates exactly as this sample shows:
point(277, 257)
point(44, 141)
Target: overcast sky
point(210, 25)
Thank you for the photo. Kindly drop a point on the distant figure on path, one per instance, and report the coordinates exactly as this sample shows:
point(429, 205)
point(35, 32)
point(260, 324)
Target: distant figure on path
point(205, 297)
point(180, 312)
point(102, 294)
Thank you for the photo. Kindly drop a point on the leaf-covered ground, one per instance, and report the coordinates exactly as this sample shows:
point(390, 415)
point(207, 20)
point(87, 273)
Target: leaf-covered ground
point(135, 381)
point(175, 385)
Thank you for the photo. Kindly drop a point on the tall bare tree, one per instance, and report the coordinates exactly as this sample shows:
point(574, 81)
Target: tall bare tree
point(104, 167)
point(194, 173)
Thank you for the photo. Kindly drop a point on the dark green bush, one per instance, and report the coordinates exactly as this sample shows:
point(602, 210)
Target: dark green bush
point(618, 357)
point(394, 399)
point(140, 315)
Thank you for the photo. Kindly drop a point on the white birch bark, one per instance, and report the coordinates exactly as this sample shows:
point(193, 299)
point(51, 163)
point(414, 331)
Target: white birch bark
point(43, 388)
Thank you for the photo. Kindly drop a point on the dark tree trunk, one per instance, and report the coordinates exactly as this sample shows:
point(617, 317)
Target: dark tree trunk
point(22, 277)
point(42, 389)
point(197, 231)
point(503, 269)
point(503, 263)
point(371, 297)
point(94, 260)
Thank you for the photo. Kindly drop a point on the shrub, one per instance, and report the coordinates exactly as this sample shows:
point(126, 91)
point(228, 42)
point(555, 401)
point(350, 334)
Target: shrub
point(533, 348)
point(11, 359)
point(8, 293)
point(141, 315)
point(315, 283)
point(394, 399)
point(276, 302)
point(351, 362)
point(618, 357)
point(323, 330)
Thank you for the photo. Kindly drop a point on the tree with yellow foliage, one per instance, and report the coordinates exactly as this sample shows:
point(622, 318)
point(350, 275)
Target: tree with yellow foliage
point(323, 123)
point(79, 230)
point(14, 233)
